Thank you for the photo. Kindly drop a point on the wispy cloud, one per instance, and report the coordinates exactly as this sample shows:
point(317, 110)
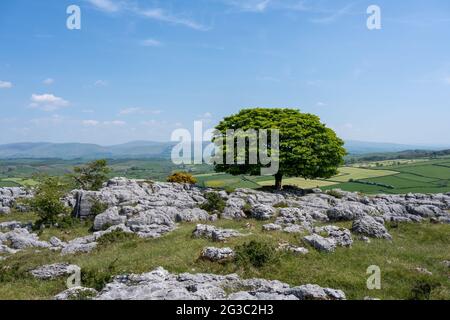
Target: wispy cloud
point(5, 85)
point(115, 123)
point(90, 123)
point(249, 5)
point(150, 43)
point(334, 16)
point(47, 102)
point(100, 83)
point(48, 81)
point(105, 5)
point(161, 15)
point(131, 111)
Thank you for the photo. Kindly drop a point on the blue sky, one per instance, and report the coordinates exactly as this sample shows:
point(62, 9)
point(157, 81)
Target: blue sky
point(139, 69)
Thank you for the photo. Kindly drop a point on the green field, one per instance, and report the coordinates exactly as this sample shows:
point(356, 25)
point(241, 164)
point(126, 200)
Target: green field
point(432, 176)
point(426, 176)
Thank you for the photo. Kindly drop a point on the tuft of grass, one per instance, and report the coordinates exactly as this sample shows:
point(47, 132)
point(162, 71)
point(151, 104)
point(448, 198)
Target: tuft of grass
point(116, 236)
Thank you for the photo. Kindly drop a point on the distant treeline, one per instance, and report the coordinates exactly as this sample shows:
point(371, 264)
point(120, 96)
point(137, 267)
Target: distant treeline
point(408, 154)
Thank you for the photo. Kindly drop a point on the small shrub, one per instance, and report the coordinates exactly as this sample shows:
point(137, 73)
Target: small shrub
point(422, 290)
point(281, 205)
point(82, 295)
point(46, 202)
point(214, 202)
point(182, 177)
point(98, 207)
point(98, 278)
point(67, 222)
point(247, 209)
point(9, 274)
point(257, 254)
point(334, 193)
point(116, 236)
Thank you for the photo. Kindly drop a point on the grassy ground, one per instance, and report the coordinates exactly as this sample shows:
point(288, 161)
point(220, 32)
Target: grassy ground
point(414, 245)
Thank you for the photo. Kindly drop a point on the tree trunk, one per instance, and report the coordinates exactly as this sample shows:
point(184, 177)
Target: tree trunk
point(278, 181)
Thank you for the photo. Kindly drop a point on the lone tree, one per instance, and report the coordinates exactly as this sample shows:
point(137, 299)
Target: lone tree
point(92, 175)
point(307, 148)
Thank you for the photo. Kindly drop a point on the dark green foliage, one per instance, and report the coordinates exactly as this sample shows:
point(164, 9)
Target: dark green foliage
point(67, 222)
point(12, 273)
point(214, 202)
point(46, 202)
point(92, 175)
point(281, 205)
point(98, 278)
point(422, 290)
point(334, 193)
point(116, 236)
point(308, 149)
point(256, 254)
point(247, 209)
point(98, 207)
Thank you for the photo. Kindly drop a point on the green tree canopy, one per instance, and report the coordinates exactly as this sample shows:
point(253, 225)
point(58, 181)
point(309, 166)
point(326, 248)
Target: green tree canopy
point(308, 148)
point(92, 175)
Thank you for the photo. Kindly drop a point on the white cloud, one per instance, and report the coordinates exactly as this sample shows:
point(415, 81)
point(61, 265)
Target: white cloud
point(90, 123)
point(100, 83)
point(87, 111)
point(129, 111)
point(5, 85)
point(321, 104)
point(47, 102)
point(150, 43)
point(161, 15)
point(49, 81)
point(118, 123)
point(105, 5)
point(249, 5)
point(206, 115)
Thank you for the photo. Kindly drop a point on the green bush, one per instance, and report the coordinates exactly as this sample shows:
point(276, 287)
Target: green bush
point(67, 222)
point(98, 207)
point(214, 202)
point(46, 202)
point(422, 290)
point(256, 254)
point(9, 274)
point(281, 205)
point(247, 209)
point(182, 177)
point(98, 278)
point(116, 236)
point(334, 193)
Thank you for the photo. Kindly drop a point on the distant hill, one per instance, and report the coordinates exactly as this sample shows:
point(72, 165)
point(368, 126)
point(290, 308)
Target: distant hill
point(69, 151)
point(362, 147)
point(151, 149)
